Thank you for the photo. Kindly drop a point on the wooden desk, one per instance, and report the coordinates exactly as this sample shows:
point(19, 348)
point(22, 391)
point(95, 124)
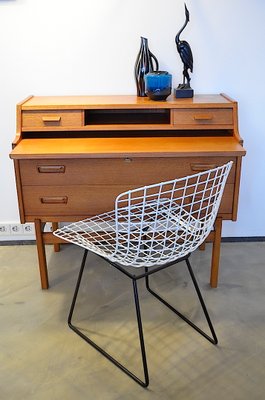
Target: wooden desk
point(74, 154)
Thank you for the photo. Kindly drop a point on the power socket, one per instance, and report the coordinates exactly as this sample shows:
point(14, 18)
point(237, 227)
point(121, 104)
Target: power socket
point(28, 228)
point(4, 229)
point(13, 229)
point(47, 227)
point(16, 229)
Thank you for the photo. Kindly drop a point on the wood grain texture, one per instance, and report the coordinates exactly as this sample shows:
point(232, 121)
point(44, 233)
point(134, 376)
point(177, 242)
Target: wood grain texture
point(101, 171)
point(51, 119)
point(72, 200)
point(199, 117)
point(126, 147)
point(121, 101)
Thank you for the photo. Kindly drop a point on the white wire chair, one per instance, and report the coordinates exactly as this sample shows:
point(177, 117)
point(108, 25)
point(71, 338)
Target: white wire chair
point(153, 227)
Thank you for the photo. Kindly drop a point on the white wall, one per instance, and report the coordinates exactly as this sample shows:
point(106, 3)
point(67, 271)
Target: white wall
point(52, 47)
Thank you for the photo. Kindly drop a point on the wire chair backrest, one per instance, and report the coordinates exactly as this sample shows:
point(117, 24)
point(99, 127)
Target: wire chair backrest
point(165, 221)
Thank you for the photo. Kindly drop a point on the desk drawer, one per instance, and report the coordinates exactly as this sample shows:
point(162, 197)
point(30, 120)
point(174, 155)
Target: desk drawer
point(70, 200)
point(135, 171)
point(86, 199)
point(51, 119)
point(199, 117)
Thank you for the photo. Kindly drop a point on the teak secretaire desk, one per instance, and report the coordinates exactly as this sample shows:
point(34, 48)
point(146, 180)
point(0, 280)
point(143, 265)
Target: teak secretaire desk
point(74, 154)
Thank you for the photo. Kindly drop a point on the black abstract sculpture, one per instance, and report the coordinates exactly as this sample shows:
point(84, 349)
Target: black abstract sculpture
point(144, 63)
point(184, 50)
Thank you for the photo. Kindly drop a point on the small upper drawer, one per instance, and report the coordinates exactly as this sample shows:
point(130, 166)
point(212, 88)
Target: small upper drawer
point(52, 119)
point(203, 116)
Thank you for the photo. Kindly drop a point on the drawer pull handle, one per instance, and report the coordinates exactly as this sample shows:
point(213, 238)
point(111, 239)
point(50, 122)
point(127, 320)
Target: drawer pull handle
point(128, 160)
point(203, 117)
point(202, 167)
point(51, 169)
point(54, 200)
point(54, 118)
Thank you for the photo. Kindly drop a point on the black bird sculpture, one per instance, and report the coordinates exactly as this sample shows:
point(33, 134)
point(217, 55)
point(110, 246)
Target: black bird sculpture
point(185, 53)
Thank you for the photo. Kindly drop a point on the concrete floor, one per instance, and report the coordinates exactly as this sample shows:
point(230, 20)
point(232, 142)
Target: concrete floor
point(41, 358)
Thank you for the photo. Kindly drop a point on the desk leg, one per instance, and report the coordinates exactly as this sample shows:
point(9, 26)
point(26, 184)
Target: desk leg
point(41, 255)
point(216, 252)
point(56, 246)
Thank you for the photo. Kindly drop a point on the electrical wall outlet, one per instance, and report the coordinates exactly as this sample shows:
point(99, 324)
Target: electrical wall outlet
point(47, 227)
point(4, 229)
point(16, 229)
point(28, 228)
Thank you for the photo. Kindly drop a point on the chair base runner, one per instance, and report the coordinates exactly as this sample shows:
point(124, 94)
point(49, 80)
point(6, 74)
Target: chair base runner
point(144, 383)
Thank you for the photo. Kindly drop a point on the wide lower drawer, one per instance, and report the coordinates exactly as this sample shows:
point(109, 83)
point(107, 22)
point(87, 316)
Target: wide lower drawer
point(52, 119)
point(86, 199)
point(135, 171)
point(200, 116)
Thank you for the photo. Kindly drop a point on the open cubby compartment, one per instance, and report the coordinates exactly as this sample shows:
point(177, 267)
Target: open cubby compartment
point(127, 116)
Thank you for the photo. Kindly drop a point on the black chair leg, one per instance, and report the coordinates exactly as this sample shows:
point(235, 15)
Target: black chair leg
point(77, 290)
point(144, 383)
point(212, 339)
point(141, 335)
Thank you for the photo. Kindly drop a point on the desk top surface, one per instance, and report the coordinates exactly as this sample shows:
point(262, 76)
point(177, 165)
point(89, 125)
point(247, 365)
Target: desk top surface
point(127, 147)
point(126, 101)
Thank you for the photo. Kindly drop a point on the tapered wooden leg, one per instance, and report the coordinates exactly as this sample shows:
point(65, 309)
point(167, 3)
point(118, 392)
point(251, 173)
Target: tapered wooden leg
point(216, 252)
point(56, 246)
point(41, 255)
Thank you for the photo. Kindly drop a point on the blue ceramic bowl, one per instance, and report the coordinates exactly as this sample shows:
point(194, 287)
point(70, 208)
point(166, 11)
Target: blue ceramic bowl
point(158, 85)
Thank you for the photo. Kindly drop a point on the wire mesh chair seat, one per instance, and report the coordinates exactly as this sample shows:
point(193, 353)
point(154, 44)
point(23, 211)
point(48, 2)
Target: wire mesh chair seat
point(99, 235)
point(153, 227)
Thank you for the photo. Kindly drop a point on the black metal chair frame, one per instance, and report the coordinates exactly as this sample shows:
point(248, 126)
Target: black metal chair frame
point(135, 278)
